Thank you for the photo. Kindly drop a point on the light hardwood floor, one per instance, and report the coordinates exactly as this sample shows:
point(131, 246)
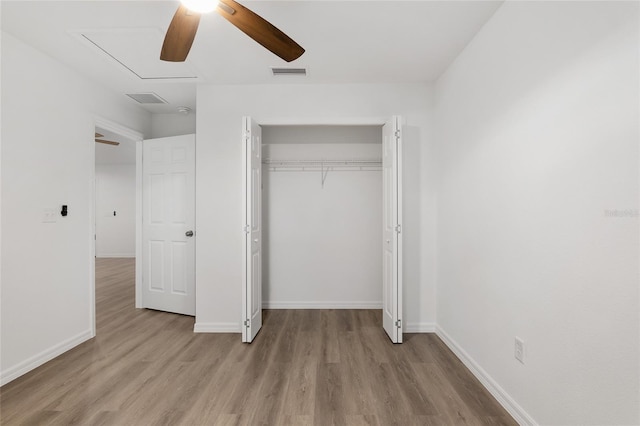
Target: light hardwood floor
point(306, 367)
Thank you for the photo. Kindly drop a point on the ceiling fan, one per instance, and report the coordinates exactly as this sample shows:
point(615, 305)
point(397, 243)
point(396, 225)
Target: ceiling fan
point(184, 25)
point(100, 140)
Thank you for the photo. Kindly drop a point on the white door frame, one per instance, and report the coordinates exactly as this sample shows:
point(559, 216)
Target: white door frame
point(137, 137)
point(335, 121)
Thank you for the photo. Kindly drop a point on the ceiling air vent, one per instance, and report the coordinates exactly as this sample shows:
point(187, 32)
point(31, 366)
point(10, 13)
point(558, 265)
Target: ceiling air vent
point(289, 71)
point(146, 98)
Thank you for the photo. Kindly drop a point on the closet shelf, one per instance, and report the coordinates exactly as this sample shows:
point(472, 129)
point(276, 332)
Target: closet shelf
point(322, 165)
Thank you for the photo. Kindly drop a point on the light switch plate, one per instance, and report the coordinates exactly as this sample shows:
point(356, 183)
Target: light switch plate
point(49, 215)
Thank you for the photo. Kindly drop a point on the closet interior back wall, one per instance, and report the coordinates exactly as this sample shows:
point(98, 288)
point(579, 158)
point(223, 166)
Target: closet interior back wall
point(322, 226)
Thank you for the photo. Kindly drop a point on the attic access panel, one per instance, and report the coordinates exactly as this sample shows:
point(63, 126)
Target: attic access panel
point(136, 50)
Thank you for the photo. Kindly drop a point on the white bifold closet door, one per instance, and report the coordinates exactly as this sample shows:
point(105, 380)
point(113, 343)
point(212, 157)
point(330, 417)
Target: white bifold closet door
point(168, 219)
point(392, 229)
point(252, 276)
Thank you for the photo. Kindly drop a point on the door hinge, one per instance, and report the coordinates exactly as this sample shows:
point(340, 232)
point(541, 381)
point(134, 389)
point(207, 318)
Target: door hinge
point(399, 324)
point(398, 229)
point(397, 134)
point(246, 229)
point(247, 323)
point(247, 135)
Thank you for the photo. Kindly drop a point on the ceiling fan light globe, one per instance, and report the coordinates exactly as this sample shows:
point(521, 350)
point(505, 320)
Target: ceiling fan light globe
point(200, 6)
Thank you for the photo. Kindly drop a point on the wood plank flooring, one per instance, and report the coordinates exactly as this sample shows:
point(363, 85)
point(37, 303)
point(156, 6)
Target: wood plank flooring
point(306, 367)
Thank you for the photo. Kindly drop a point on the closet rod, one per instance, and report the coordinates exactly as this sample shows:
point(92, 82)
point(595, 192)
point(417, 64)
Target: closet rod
point(322, 163)
point(322, 166)
point(325, 169)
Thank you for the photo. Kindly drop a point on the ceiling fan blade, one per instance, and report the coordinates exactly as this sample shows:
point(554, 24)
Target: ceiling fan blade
point(108, 142)
point(260, 30)
point(180, 35)
point(98, 135)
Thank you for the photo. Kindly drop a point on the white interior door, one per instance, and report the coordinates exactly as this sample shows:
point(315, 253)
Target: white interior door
point(392, 229)
point(252, 282)
point(168, 219)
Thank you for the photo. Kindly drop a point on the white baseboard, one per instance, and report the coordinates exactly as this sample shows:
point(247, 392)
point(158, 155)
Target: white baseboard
point(509, 404)
point(321, 305)
point(116, 255)
point(217, 327)
point(420, 327)
point(35, 361)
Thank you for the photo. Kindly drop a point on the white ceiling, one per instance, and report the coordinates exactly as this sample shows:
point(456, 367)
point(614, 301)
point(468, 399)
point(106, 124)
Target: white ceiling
point(345, 41)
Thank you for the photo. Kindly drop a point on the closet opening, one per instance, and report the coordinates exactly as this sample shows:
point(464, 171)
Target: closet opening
point(322, 217)
point(319, 229)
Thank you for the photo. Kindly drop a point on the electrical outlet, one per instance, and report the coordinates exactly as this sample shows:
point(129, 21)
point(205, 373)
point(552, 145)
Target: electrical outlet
point(519, 350)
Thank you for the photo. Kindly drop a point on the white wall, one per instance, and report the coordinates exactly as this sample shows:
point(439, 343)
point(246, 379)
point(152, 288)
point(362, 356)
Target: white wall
point(219, 183)
point(322, 243)
point(537, 129)
point(115, 191)
point(165, 125)
point(48, 160)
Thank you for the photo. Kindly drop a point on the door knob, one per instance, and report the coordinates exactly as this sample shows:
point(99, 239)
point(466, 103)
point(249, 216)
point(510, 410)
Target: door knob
point(255, 240)
point(189, 233)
